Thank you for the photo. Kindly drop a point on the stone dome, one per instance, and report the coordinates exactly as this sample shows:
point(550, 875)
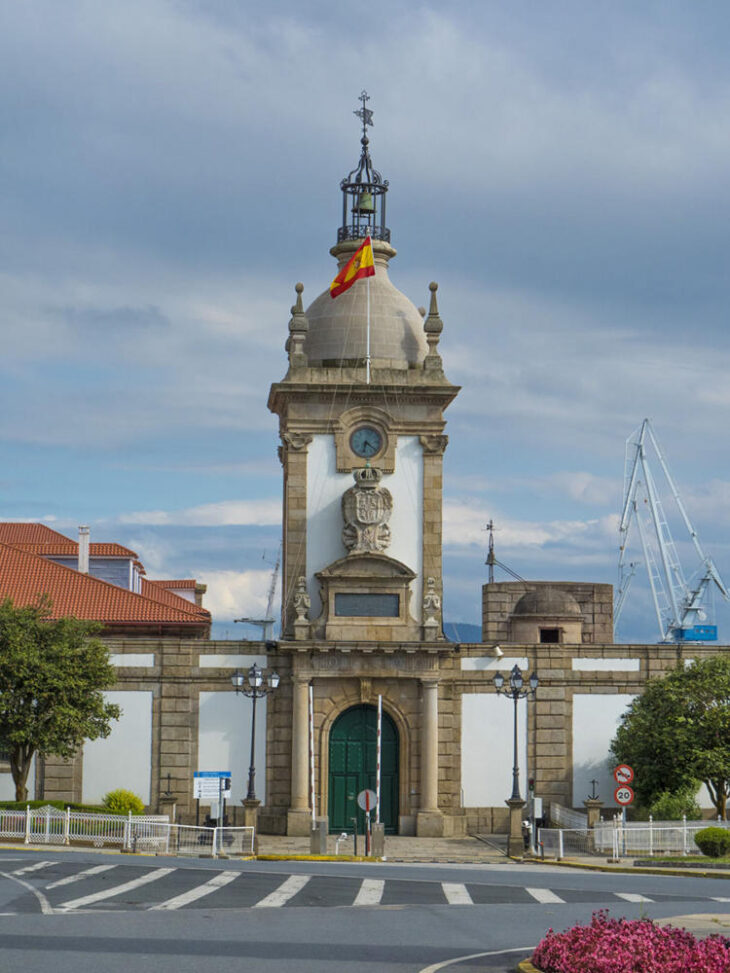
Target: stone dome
point(547, 601)
point(338, 327)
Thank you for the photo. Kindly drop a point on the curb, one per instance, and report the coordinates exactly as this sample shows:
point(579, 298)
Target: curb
point(315, 858)
point(526, 967)
point(628, 869)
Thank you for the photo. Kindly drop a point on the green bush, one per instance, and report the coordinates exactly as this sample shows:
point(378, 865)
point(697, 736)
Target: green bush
point(713, 842)
point(674, 805)
point(122, 802)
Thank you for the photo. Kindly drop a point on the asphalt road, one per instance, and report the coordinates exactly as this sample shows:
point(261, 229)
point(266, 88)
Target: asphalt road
point(72, 912)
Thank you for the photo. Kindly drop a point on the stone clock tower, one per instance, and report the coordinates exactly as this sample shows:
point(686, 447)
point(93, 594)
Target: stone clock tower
point(361, 419)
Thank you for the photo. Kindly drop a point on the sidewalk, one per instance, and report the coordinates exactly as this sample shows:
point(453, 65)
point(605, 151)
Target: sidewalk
point(398, 848)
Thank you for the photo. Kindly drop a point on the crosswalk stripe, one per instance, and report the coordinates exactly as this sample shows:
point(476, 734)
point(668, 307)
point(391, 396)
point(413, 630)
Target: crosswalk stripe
point(370, 892)
point(116, 890)
point(632, 897)
point(544, 896)
point(456, 893)
point(287, 890)
point(97, 870)
point(217, 882)
point(719, 898)
point(32, 868)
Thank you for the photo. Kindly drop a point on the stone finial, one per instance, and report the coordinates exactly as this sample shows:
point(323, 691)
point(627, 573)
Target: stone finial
point(298, 328)
point(302, 603)
point(433, 326)
point(431, 611)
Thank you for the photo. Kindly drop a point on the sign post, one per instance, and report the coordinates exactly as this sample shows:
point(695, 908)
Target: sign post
point(367, 801)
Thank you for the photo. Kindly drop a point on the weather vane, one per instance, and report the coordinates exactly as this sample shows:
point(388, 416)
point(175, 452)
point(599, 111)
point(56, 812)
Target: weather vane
point(365, 114)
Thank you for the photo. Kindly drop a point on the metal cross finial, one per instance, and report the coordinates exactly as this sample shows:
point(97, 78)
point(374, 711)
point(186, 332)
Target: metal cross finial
point(365, 114)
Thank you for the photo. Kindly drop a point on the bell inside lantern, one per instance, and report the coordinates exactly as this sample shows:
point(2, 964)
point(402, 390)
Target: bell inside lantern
point(365, 204)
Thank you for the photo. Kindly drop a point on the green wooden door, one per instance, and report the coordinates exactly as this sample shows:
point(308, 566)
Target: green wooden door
point(353, 755)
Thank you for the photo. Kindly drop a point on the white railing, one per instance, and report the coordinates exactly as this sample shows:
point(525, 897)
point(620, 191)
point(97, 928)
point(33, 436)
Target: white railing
point(151, 833)
point(566, 817)
point(619, 840)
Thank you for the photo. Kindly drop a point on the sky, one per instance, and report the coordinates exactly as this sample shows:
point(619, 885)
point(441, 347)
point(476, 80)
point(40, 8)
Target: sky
point(169, 169)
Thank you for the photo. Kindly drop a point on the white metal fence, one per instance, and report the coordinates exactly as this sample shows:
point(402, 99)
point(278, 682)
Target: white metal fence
point(620, 840)
point(151, 833)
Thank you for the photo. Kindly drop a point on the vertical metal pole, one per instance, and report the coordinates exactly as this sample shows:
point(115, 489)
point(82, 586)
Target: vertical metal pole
point(378, 757)
point(251, 796)
point(560, 844)
point(515, 769)
point(367, 347)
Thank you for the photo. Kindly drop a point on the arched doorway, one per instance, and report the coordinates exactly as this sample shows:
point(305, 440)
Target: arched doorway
point(353, 754)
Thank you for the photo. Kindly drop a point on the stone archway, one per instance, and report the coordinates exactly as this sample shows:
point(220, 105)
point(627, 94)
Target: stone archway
point(352, 767)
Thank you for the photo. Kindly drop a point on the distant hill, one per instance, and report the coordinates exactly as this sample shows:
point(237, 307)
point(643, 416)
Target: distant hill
point(462, 632)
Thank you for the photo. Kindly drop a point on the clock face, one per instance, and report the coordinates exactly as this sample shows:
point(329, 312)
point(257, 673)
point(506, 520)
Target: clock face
point(366, 442)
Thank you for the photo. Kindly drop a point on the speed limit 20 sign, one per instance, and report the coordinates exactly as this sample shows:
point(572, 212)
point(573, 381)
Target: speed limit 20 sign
point(623, 795)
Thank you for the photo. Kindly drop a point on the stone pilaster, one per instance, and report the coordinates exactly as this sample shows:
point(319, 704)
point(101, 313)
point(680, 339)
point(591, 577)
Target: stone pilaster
point(429, 822)
point(294, 459)
point(433, 464)
point(299, 814)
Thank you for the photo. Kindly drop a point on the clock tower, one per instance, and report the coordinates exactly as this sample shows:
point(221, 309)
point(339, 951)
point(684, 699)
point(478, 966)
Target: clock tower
point(361, 422)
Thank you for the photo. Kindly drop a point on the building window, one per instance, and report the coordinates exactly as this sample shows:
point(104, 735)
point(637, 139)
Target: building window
point(550, 635)
point(367, 606)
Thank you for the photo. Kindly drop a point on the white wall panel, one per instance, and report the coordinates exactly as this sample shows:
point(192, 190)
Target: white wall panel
point(123, 759)
point(224, 739)
point(487, 748)
point(7, 787)
point(325, 487)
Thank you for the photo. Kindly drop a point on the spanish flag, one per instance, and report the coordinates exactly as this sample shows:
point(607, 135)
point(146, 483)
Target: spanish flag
point(360, 264)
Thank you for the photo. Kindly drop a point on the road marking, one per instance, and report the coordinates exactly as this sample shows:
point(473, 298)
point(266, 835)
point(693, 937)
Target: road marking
point(287, 890)
point(217, 882)
point(32, 868)
point(463, 959)
point(79, 876)
point(116, 890)
point(45, 905)
point(370, 892)
point(719, 898)
point(632, 897)
point(545, 896)
point(456, 894)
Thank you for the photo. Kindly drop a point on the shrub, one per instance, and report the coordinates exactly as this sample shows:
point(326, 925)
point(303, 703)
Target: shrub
point(713, 842)
point(628, 945)
point(122, 802)
point(674, 805)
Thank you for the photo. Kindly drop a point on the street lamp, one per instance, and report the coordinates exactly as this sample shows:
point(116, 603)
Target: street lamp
point(254, 690)
point(517, 690)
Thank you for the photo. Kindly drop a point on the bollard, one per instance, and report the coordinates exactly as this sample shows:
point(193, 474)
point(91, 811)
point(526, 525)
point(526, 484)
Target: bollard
point(318, 837)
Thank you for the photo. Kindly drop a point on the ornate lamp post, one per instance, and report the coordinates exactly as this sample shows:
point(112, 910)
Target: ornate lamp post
point(254, 690)
point(516, 691)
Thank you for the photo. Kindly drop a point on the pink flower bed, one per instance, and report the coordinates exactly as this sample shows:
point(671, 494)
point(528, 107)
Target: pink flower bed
point(630, 946)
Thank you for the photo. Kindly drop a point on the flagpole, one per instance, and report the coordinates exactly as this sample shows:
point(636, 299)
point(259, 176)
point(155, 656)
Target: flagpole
point(367, 350)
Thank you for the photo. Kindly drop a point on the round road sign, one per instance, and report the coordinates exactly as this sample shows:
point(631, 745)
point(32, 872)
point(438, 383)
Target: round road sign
point(623, 774)
point(366, 800)
point(623, 795)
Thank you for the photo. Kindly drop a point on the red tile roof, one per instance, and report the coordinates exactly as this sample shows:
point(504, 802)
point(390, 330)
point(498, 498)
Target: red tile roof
point(151, 590)
point(182, 583)
point(39, 539)
point(25, 576)
point(30, 534)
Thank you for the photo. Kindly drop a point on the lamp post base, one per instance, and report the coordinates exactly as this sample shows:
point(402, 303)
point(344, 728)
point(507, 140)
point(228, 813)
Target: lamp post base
point(251, 820)
point(515, 841)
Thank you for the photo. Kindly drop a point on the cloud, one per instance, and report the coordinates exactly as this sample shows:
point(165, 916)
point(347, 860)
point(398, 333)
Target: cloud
point(225, 513)
point(236, 594)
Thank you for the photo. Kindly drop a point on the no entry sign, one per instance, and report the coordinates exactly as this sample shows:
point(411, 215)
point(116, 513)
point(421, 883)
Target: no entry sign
point(623, 774)
point(623, 795)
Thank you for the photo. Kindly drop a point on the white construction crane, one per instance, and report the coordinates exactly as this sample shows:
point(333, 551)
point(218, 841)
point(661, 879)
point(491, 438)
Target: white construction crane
point(267, 624)
point(681, 605)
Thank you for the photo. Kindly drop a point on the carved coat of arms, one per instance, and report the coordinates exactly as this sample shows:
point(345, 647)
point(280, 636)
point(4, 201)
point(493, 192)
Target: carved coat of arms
point(366, 508)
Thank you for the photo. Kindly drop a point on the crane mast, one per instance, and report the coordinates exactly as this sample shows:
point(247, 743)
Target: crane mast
point(681, 606)
point(267, 624)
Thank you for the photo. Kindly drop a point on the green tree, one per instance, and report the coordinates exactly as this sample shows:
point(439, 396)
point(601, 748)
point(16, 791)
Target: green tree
point(677, 733)
point(52, 677)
